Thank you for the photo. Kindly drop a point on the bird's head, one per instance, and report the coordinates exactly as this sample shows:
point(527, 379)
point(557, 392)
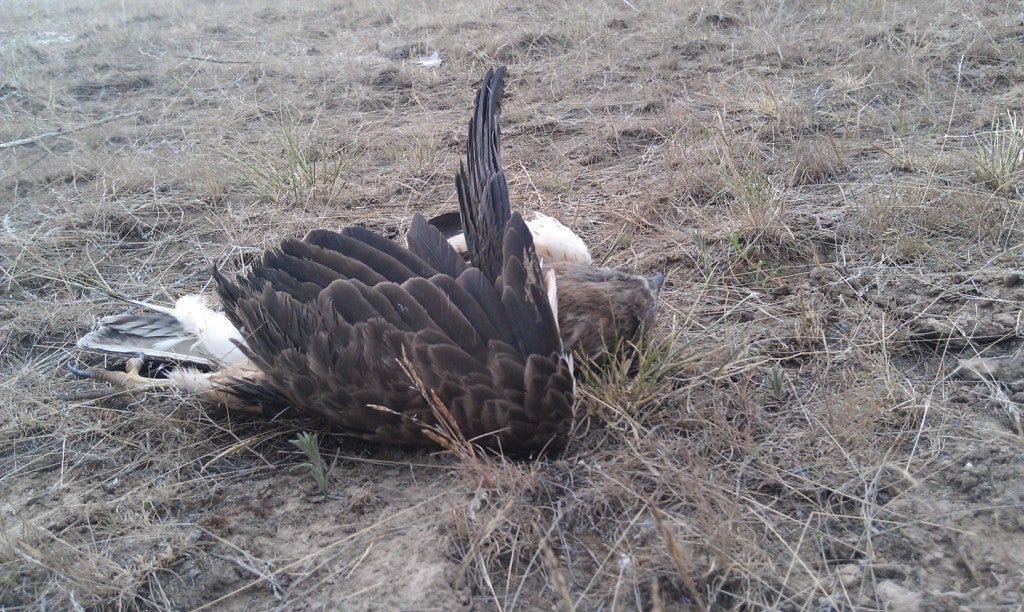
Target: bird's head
point(601, 308)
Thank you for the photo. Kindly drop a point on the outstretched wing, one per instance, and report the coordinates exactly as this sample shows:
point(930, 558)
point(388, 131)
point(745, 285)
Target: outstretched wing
point(330, 319)
point(481, 186)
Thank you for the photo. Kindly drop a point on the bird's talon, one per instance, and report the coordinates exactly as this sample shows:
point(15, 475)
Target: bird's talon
point(79, 372)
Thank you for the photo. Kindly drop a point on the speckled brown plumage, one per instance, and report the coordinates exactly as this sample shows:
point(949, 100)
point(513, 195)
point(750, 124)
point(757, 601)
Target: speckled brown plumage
point(600, 308)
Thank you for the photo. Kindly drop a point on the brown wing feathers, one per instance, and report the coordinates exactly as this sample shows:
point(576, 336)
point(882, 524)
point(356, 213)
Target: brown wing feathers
point(481, 187)
point(523, 295)
point(328, 318)
point(393, 261)
point(432, 247)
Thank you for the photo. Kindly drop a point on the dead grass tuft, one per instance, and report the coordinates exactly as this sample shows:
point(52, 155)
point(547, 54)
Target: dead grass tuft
point(299, 171)
point(816, 160)
point(999, 164)
point(909, 220)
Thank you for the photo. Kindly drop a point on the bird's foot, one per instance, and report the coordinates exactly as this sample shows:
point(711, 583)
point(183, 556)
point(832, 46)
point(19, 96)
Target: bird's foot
point(130, 381)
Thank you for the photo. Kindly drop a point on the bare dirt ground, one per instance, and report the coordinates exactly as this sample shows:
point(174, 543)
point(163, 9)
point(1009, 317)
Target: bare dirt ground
point(830, 417)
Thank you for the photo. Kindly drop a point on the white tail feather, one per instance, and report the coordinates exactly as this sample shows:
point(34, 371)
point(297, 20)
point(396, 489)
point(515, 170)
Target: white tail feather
point(551, 287)
point(191, 332)
point(215, 336)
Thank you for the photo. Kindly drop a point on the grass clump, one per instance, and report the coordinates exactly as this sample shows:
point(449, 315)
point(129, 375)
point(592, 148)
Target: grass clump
point(309, 443)
point(999, 162)
point(299, 170)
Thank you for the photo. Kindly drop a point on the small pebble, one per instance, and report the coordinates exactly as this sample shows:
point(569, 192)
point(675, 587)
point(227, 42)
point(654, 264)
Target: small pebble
point(894, 596)
point(849, 576)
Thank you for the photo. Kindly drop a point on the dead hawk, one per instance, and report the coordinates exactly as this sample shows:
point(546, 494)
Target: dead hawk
point(335, 324)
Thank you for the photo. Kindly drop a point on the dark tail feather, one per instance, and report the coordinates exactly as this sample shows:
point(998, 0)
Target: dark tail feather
point(523, 294)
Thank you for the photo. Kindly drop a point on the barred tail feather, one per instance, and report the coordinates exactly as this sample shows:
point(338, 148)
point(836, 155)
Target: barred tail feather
point(190, 332)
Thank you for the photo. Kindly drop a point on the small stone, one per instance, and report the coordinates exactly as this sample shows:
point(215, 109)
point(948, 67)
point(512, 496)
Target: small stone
point(849, 575)
point(893, 596)
point(110, 486)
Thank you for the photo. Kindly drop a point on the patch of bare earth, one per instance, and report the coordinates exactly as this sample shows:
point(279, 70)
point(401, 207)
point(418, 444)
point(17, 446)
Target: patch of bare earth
point(828, 417)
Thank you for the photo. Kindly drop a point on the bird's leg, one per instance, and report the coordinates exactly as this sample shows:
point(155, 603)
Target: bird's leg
point(127, 382)
point(208, 386)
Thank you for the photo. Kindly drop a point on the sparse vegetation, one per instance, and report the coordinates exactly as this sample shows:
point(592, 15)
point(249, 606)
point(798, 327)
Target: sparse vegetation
point(297, 173)
point(999, 163)
point(309, 443)
point(833, 189)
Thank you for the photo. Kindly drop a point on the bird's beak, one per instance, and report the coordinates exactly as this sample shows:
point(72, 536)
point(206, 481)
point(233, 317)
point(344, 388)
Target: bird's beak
point(655, 281)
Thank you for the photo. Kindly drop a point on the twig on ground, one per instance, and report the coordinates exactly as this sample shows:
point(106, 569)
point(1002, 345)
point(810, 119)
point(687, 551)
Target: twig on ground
point(252, 564)
point(196, 58)
point(60, 132)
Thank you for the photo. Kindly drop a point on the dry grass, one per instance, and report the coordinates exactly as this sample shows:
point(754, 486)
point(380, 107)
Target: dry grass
point(833, 189)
